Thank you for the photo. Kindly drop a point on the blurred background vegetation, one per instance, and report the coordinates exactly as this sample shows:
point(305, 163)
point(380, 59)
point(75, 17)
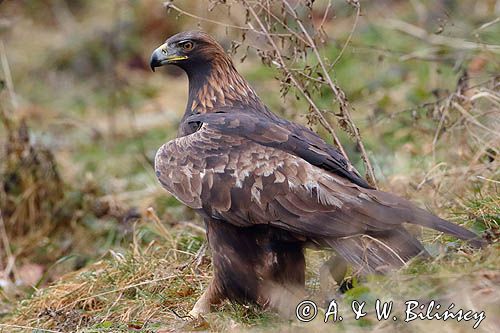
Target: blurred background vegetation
point(90, 241)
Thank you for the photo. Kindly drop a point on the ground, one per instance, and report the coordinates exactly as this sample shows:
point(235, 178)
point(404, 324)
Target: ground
point(92, 243)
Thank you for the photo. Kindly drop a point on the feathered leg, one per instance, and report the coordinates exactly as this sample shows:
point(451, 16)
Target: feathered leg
point(251, 266)
point(211, 296)
point(336, 268)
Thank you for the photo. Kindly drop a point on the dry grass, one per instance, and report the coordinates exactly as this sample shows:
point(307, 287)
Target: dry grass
point(152, 287)
point(108, 264)
point(139, 287)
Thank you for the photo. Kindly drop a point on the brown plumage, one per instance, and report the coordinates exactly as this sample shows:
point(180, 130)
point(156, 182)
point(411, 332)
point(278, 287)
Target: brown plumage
point(267, 187)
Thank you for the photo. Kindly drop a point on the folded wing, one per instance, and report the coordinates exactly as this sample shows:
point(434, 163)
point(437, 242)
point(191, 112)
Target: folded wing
point(246, 171)
point(284, 135)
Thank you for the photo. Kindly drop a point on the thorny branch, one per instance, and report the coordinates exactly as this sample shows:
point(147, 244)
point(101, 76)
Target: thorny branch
point(296, 83)
point(339, 94)
point(294, 48)
point(169, 5)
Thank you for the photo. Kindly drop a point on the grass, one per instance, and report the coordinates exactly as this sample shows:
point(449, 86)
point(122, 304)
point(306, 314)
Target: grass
point(153, 284)
point(109, 263)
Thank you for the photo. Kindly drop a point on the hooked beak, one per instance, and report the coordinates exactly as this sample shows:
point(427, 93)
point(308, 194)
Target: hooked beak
point(163, 56)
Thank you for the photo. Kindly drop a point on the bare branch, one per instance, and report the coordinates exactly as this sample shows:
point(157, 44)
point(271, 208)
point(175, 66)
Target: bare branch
point(456, 43)
point(169, 5)
point(339, 94)
point(283, 66)
point(8, 76)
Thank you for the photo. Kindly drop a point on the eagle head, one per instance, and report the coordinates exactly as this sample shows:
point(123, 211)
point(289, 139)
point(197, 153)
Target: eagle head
point(190, 50)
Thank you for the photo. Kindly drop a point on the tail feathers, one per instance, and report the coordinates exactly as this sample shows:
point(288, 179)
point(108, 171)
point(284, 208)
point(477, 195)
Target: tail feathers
point(408, 212)
point(426, 219)
point(378, 252)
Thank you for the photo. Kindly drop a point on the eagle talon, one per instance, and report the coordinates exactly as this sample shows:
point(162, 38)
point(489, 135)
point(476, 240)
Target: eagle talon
point(196, 314)
point(203, 304)
point(201, 307)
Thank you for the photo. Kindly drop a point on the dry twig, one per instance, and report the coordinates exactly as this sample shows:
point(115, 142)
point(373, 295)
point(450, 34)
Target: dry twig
point(290, 46)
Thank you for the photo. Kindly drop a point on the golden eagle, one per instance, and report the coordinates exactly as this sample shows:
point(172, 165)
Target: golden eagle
point(266, 187)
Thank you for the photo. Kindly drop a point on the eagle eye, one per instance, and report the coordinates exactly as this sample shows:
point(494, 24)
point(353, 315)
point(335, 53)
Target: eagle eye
point(187, 45)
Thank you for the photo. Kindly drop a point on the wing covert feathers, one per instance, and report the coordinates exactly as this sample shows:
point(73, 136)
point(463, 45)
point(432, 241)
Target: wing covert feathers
point(247, 173)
